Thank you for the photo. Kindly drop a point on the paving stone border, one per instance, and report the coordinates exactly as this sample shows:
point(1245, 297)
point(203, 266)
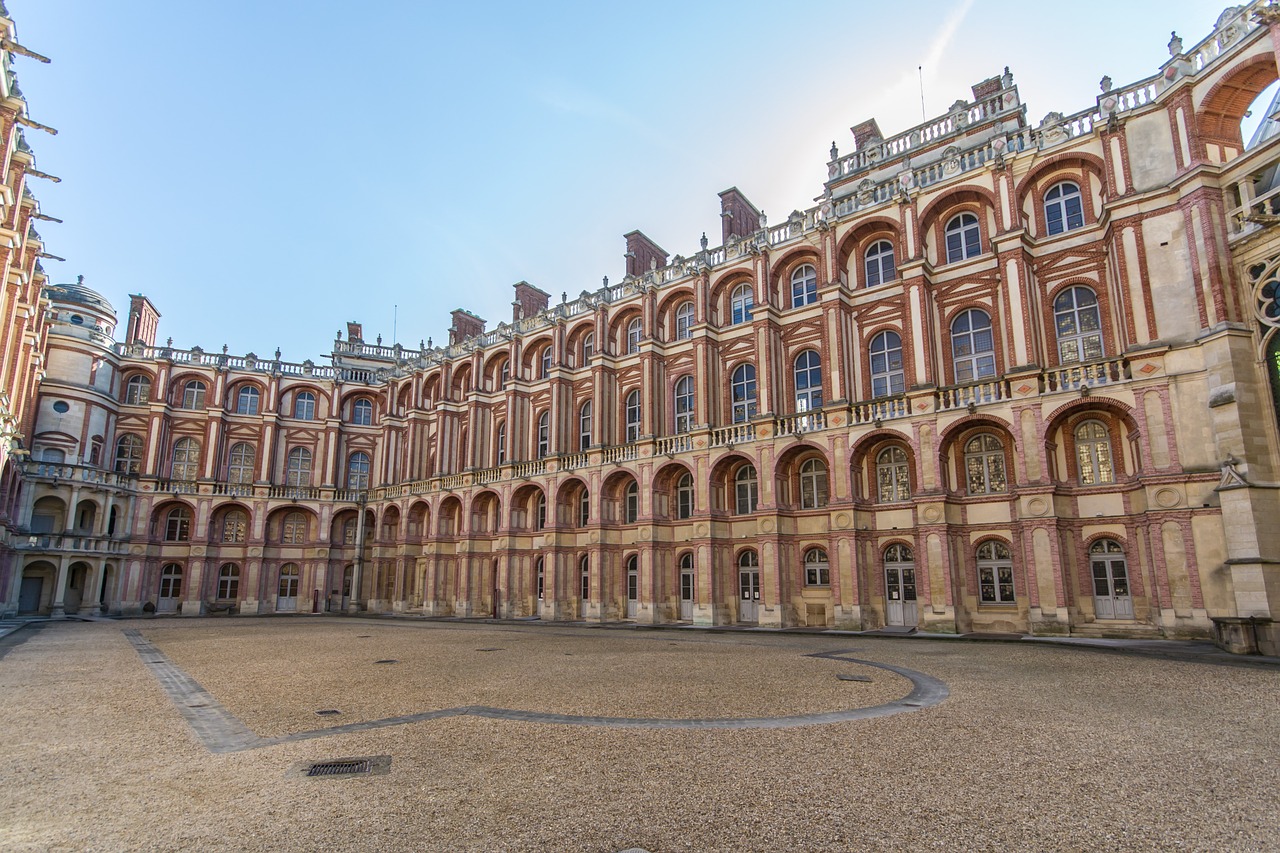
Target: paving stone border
point(221, 731)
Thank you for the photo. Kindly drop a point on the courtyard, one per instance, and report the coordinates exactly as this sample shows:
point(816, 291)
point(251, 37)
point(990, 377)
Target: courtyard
point(181, 734)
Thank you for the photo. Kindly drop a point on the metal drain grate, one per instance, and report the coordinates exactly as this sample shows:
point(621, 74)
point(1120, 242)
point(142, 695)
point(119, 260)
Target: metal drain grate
point(328, 712)
point(844, 676)
point(387, 660)
point(491, 650)
point(339, 768)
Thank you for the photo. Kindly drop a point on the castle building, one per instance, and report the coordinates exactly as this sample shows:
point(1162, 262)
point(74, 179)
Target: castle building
point(1005, 376)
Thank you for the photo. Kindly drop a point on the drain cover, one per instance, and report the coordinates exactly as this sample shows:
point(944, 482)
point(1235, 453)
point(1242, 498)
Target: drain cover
point(846, 677)
point(491, 650)
point(387, 660)
point(328, 712)
point(338, 768)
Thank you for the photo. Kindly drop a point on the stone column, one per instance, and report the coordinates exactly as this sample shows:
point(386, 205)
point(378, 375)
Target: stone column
point(60, 588)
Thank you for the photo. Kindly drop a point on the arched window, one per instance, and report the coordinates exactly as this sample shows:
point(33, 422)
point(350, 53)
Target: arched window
point(631, 503)
point(544, 365)
point(748, 560)
point(193, 395)
point(500, 450)
point(304, 406)
point(584, 577)
point(170, 584)
point(632, 422)
point(137, 390)
point(740, 304)
point(1078, 324)
point(293, 530)
point(995, 574)
point(684, 321)
point(584, 426)
point(540, 570)
point(584, 507)
point(808, 376)
point(235, 526)
point(684, 401)
point(893, 475)
point(984, 465)
point(288, 588)
point(964, 239)
point(358, 471)
point(973, 349)
point(684, 496)
point(744, 393)
point(813, 484)
point(129, 454)
point(240, 463)
point(887, 375)
point(544, 434)
point(634, 329)
point(817, 572)
point(804, 286)
point(588, 347)
point(1063, 210)
point(298, 467)
point(504, 374)
point(746, 490)
point(362, 412)
point(177, 525)
point(880, 264)
point(1093, 454)
point(186, 459)
point(229, 582)
point(539, 511)
point(247, 400)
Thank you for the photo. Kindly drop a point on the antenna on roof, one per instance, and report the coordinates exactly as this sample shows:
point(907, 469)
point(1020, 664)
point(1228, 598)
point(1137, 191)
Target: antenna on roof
point(923, 115)
point(395, 315)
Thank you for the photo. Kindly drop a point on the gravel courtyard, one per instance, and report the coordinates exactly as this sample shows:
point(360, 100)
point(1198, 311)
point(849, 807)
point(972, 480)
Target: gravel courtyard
point(1034, 748)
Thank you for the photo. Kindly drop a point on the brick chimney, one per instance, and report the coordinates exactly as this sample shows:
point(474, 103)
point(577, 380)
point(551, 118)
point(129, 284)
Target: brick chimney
point(866, 133)
point(144, 319)
point(465, 325)
point(738, 217)
point(529, 301)
point(987, 88)
point(641, 252)
point(355, 333)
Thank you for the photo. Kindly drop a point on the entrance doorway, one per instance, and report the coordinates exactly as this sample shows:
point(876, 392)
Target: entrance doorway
point(30, 594)
point(584, 585)
point(686, 587)
point(633, 586)
point(346, 586)
point(170, 588)
point(900, 586)
point(287, 594)
point(1110, 580)
point(749, 587)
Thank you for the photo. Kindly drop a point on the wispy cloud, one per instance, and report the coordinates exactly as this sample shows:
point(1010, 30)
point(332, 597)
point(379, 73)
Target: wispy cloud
point(572, 99)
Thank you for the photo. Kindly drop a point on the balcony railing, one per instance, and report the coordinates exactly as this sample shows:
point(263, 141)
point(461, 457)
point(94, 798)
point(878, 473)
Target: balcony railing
point(80, 543)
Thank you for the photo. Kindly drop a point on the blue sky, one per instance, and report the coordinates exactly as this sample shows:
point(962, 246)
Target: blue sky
point(265, 171)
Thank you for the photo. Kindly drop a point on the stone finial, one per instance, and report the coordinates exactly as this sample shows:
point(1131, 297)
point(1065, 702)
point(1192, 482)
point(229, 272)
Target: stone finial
point(169, 343)
point(604, 280)
point(80, 280)
point(379, 344)
point(764, 221)
point(1006, 79)
point(1175, 44)
point(835, 152)
point(277, 353)
point(1105, 83)
point(429, 344)
point(225, 349)
point(703, 242)
point(564, 296)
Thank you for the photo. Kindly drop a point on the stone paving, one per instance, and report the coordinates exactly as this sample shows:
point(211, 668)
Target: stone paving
point(179, 734)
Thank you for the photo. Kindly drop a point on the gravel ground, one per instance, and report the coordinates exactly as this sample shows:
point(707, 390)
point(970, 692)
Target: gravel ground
point(1036, 748)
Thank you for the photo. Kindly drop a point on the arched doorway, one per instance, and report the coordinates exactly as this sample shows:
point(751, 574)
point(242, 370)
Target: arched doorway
point(170, 588)
point(37, 586)
point(900, 586)
point(287, 593)
point(748, 587)
point(687, 586)
point(1111, 598)
point(633, 586)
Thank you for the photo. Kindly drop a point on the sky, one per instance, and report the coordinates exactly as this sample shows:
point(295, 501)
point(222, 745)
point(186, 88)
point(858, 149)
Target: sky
point(267, 170)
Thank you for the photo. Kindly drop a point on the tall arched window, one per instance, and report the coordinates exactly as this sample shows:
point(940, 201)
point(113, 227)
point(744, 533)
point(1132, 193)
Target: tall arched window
point(247, 400)
point(293, 530)
point(804, 286)
point(539, 511)
point(584, 577)
point(229, 582)
point(813, 484)
point(193, 395)
point(817, 571)
point(995, 573)
point(504, 374)
point(544, 434)
point(137, 390)
point(634, 329)
point(632, 417)
point(186, 459)
point(544, 366)
point(500, 443)
point(584, 507)
point(808, 376)
point(740, 303)
point(358, 471)
point(129, 454)
point(235, 526)
point(746, 490)
point(304, 406)
point(887, 375)
point(177, 525)
point(984, 465)
point(684, 321)
point(362, 412)
point(964, 239)
point(1063, 210)
point(743, 388)
point(973, 349)
point(298, 467)
point(1093, 454)
point(240, 463)
point(540, 573)
point(584, 426)
point(684, 496)
point(1078, 324)
point(880, 266)
point(893, 475)
point(631, 503)
point(684, 401)
point(588, 347)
